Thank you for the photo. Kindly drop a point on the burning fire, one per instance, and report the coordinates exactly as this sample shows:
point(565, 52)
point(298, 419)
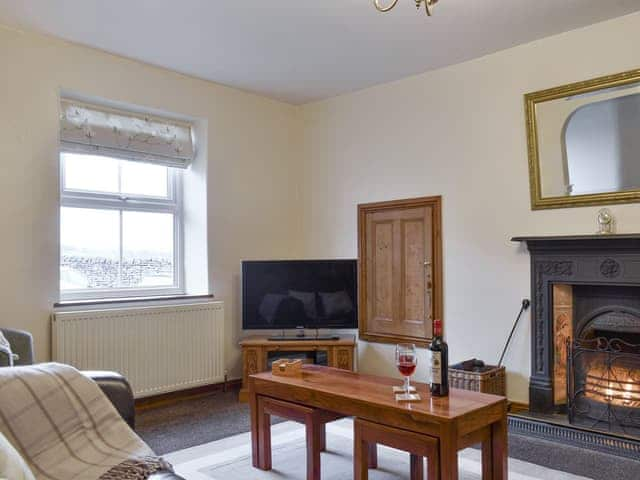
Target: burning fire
point(615, 386)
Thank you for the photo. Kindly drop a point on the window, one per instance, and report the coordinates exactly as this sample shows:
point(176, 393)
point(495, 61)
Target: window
point(121, 206)
point(120, 228)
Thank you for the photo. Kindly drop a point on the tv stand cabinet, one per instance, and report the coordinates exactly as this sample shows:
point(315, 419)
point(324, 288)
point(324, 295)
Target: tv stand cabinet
point(258, 351)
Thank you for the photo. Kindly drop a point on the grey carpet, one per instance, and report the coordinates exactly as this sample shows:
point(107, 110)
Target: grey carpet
point(595, 465)
point(193, 422)
point(220, 415)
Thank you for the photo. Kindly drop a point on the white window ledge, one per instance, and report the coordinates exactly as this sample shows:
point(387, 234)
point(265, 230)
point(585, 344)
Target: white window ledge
point(107, 303)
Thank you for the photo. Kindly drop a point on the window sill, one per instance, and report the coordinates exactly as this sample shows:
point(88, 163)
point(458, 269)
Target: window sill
point(131, 301)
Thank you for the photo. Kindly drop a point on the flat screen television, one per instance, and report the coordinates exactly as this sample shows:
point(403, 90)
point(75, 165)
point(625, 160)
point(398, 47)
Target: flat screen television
point(285, 294)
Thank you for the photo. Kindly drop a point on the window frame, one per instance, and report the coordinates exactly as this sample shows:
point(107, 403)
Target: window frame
point(173, 204)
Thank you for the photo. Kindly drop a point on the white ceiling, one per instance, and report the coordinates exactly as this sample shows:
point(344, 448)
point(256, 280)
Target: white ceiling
point(303, 50)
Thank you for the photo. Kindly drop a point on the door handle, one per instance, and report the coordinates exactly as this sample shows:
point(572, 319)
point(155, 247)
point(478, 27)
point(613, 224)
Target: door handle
point(427, 291)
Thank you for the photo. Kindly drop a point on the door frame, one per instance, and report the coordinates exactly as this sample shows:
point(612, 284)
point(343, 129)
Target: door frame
point(364, 209)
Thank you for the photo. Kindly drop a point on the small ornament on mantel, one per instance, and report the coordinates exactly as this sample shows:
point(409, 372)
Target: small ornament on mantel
point(606, 222)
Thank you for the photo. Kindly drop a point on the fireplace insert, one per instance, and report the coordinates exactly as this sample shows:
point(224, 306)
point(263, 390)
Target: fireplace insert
point(603, 389)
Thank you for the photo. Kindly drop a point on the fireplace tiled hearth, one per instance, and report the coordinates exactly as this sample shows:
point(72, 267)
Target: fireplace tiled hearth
point(585, 345)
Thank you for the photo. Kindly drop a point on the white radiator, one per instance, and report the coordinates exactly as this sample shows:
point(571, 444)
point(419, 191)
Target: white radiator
point(159, 349)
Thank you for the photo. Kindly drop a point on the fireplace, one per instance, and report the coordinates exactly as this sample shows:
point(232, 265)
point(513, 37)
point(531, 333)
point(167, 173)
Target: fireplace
point(585, 344)
point(604, 385)
point(597, 357)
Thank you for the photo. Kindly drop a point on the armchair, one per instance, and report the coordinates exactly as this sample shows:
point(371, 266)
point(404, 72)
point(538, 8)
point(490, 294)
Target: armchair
point(21, 346)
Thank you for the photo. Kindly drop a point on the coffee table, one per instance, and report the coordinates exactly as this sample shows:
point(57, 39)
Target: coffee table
point(458, 421)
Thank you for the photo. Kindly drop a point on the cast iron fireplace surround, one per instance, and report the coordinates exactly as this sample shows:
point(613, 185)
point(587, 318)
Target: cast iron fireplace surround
point(572, 260)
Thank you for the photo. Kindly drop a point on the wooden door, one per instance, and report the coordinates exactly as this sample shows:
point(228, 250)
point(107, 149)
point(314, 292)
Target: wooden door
point(400, 265)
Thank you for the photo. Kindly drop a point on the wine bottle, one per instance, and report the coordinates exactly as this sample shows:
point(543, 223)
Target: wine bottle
point(439, 362)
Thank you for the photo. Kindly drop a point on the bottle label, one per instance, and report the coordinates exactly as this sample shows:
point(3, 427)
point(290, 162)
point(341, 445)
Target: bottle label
point(436, 367)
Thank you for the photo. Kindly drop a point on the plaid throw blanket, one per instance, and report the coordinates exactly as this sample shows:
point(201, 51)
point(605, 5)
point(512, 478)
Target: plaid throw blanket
point(66, 429)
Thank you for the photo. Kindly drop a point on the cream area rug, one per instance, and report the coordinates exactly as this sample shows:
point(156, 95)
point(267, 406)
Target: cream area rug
point(230, 459)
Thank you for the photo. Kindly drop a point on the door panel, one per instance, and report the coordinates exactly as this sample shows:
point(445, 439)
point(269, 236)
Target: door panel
point(414, 257)
point(381, 261)
point(399, 254)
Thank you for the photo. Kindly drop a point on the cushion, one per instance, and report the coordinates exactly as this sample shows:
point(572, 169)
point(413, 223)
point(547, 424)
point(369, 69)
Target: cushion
point(12, 466)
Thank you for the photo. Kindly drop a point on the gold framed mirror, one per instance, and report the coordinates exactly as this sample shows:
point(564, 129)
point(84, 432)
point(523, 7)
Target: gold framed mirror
point(584, 142)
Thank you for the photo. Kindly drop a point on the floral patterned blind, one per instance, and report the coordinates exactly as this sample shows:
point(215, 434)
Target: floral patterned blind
point(97, 130)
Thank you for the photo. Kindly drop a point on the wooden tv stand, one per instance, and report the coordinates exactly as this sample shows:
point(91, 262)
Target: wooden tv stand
point(257, 349)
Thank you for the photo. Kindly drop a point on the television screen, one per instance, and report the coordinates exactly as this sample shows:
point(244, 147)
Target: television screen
point(280, 294)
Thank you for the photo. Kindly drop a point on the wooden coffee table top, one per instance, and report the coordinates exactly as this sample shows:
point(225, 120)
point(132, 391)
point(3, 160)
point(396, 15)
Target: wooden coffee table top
point(343, 391)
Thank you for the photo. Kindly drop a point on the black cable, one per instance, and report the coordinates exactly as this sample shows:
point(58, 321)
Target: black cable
point(525, 304)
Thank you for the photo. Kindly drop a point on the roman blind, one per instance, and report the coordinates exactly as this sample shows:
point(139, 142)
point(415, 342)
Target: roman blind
point(97, 130)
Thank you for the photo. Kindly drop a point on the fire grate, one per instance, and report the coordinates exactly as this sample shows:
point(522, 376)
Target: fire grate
point(603, 390)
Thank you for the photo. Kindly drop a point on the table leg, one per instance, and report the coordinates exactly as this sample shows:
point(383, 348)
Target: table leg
point(361, 454)
point(264, 437)
point(432, 469)
point(448, 453)
point(314, 442)
point(323, 437)
point(372, 461)
point(487, 459)
point(499, 449)
point(417, 467)
point(255, 444)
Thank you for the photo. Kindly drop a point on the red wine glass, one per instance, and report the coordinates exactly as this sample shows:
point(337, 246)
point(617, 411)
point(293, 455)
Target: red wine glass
point(406, 361)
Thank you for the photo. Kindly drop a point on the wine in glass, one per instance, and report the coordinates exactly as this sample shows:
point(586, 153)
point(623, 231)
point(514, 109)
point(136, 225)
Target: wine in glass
point(406, 361)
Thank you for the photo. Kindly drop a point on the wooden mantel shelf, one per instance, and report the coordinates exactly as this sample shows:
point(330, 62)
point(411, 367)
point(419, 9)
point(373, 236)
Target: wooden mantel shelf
point(593, 243)
point(594, 236)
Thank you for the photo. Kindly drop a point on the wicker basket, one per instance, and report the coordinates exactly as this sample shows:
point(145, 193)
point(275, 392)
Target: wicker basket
point(492, 380)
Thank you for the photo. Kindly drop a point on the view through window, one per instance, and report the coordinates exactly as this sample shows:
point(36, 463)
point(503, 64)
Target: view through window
point(120, 227)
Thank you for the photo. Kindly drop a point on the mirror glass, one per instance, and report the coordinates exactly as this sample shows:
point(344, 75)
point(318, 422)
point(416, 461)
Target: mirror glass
point(589, 143)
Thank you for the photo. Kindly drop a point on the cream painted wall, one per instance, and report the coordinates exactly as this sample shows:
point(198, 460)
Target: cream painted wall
point(253, 154)
point(458, 132)
point(285, 181)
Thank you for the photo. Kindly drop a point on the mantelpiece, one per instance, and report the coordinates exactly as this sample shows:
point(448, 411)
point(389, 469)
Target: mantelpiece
point(569, 260)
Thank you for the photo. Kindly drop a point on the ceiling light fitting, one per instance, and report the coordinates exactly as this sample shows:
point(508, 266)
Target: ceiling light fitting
point(428, 5)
